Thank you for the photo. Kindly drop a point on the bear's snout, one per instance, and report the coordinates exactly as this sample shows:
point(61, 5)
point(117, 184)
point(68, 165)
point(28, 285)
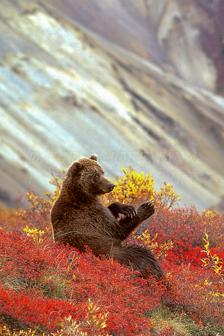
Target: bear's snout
point(111, 186)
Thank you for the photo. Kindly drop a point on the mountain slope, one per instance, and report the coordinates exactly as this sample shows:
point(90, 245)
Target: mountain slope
point(182, 37)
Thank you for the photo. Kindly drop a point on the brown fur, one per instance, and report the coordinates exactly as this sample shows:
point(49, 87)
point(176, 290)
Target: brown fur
point(79, 218)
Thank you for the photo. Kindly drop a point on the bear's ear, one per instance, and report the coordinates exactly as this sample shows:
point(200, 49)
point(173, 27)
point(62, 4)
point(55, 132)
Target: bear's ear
point(74, 169)
point(93, 157)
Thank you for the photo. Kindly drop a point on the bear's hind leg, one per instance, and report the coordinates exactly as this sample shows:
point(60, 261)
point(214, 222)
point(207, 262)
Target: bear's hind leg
point(140, 259)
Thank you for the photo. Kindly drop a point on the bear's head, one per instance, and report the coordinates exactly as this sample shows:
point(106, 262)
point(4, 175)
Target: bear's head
point(87, 176)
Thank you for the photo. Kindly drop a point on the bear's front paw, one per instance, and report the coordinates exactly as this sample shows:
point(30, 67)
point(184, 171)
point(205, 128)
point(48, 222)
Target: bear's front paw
point(145, 210)
point(128, 211)
point(124, 209)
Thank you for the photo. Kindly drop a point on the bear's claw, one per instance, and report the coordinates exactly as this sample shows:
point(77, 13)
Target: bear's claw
point(128, 211)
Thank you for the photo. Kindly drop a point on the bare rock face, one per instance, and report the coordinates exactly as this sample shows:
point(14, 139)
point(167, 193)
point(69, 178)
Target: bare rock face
point(182, 37)
point(66, 93)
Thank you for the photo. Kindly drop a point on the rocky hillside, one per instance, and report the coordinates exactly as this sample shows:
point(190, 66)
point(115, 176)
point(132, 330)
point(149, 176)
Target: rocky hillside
point(182, 37)
point(66, 92)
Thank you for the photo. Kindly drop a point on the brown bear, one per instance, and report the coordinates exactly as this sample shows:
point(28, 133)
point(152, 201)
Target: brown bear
point(79, 218)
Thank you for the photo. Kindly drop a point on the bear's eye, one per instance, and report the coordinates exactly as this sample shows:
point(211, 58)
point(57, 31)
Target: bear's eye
point(96, 178)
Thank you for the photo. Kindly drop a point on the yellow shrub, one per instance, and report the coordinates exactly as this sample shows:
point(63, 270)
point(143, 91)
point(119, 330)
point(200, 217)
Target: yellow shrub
point(38, 213)
point(146, 240)
point(94, 321)
point(4, 331)
point(134, 188)
point(35, 234)
point(211, 260)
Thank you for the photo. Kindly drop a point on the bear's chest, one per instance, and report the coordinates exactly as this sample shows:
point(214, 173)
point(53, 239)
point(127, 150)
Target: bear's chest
point(102, 215)
point(96, 217)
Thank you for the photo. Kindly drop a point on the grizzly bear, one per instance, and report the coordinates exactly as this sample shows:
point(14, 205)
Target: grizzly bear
point(79, 218)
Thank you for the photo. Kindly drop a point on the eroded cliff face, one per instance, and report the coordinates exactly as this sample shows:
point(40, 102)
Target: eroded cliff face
point(66, 93)
point(182, 37)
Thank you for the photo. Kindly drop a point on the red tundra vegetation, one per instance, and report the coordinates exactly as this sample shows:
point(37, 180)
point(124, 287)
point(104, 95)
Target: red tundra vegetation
point(47, 288)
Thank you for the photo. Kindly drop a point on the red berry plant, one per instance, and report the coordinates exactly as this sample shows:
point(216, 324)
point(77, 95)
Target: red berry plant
point(47, 288)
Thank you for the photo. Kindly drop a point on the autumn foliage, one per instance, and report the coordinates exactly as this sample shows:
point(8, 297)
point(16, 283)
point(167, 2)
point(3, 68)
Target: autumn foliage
point(52, 289)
